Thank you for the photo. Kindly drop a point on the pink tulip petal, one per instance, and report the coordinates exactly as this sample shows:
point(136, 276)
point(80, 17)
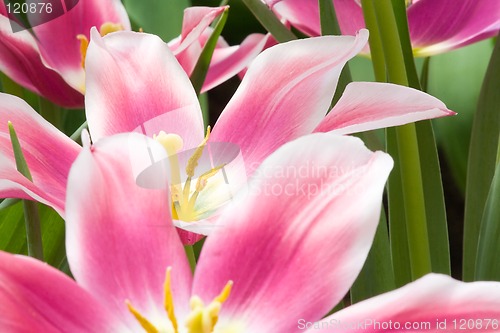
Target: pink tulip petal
point(48, 152)
point(120, 237)
point(134, 83)
point(436, 26)
point(229, 61)
point(20, 60)
point(426, 302)
point(194, 23)
point(302, 14)
point(349, 15)
point(367, 105)
point(35, 297)
point(58, 41)
point(284, 94)
point(294, 244)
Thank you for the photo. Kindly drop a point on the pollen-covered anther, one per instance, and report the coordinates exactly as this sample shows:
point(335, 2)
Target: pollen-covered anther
point(203, 319)
point(105, 29)
point(171, 142)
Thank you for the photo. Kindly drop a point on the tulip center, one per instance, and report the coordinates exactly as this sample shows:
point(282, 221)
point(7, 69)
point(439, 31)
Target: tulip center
point(105, 29)
point(201, 319)
point(185, 193)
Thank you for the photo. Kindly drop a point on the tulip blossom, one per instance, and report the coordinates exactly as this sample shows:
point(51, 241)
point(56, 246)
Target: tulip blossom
point(134, 84)
point(281, 259)
point(435, 26)
point(51, 63)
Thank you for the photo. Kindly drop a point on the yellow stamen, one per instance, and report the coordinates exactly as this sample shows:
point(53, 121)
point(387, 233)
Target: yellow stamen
point(169, 300)
point(171, 142)
point(108, 27)
point(204, 318)
point(202, 180)
point(193, 160)
point(224, 295)
point(84, 45)
point(105, 29)
point(148, 327)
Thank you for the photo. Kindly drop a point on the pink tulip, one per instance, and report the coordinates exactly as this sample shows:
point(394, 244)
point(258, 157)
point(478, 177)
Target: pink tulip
point(278, 263)
point(134, 84)
point(50, 63)
point(436, 26)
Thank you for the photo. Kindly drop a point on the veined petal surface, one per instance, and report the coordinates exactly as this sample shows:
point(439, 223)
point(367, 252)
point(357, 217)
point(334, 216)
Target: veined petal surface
point(306, 223)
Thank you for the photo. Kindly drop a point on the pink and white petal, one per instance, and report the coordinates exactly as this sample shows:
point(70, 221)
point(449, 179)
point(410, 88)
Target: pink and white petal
point(369, 105)
point(229, 61)
point(302, 14)
point(35, 297)
point(196, 20)
point(320, 194)
point(285, 94)
point(424, 303)
point(119, 235)
point(435, 26)
point(134, 83)
point(20, 60)
point(48, 152)
point(57, 38)
point(350, 16)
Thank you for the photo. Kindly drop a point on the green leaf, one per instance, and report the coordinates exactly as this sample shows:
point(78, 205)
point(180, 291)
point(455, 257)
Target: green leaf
point(201, 68)
point(269, 21)
point(487, 265)
point(433, 194)
point(482, 160)
point(10, 87)
point(328, 19)
point(406, 137)
point(159, 17)
point(13, 233)
point(31, 216)
point(397, 218)
point(377, 275)
point(435, 209)
point(453, 134)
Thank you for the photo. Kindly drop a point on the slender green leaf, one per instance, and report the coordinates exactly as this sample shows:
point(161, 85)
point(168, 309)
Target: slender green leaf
point(330, 26)
point(269, 21)
point(201, 68)
point(397, 218)
point(453, 134)
point(51, 112)
point(10, 87)
point(487, 264)
point(406, 136)
point(13, 233)
point(435, 209)
point(482, 160)
point(160, 17)
point(31, 216)
point(377, 275)
point(433, 194)
point(6, 203)
point(328, 19)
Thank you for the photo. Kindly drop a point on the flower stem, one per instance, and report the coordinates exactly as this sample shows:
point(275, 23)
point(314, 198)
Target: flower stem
point(190, 255)
point(407, 144)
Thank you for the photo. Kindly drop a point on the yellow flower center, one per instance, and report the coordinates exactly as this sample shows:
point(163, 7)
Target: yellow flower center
point(202, 319)
point(105, 29)
point(184, 195)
